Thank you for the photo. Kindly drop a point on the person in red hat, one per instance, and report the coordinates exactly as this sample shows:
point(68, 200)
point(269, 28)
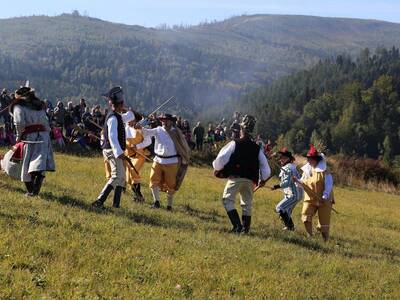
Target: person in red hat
point(291, 190)
point(317, 182)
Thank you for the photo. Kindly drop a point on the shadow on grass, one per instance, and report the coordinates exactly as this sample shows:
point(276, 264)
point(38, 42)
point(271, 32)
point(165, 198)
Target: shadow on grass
point(344, 247)
point(292, 238)
point(132, 216)
point(210, 216)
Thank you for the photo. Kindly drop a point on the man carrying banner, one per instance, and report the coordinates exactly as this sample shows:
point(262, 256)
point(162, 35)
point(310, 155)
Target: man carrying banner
point(172, 155)
point(243, 162)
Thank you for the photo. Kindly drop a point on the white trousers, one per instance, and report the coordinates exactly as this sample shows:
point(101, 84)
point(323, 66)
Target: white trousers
point(243, 187)
point(117, 169)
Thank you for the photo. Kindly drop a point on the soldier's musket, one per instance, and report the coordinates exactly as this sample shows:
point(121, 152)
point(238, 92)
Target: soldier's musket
point(95, 124)
point(86, 132)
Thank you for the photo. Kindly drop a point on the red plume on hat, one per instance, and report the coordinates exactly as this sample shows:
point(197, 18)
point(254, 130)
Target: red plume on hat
point(313, 152)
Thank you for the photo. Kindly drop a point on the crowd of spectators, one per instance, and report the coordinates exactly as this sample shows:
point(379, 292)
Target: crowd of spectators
point(81, 124)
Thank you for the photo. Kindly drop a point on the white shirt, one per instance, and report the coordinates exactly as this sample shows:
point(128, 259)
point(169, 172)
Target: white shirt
point(112, 124)
point(225, 154)
point(131, 133)
point(164, 145)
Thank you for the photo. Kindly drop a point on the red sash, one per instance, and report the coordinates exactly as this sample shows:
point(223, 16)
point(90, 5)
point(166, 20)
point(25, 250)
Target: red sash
point(32, 129)
point(19, 147)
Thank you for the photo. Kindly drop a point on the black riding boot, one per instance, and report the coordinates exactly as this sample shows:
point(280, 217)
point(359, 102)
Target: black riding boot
point(117, 196)
point(286, 220)
point(137, 194)
point(246, 220)
point(29, 188)
point(235, 220)
point(103, 196)
point(291, 224)
point(37, 184)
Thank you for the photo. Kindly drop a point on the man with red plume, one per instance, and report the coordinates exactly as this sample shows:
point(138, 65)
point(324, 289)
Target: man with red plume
point(317, 182)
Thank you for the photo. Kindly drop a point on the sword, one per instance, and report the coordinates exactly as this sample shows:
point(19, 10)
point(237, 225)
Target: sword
point(311, 193)
point(162, 105)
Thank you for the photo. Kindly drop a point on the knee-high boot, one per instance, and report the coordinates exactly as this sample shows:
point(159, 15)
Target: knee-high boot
point(137, 194)
point(29, 188)
point(37, 184)
point(103, 196)
point(286, 220)
point(235, 220)
point(117, 196)
point(246, 220)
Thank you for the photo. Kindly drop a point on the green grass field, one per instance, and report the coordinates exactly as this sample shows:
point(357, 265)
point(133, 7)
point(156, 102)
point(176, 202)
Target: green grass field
point(56, 247)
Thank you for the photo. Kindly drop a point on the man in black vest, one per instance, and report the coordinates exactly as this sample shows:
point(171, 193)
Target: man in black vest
point(114, 145)
point(243, 162)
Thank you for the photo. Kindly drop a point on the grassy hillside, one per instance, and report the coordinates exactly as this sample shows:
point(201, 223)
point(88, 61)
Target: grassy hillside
point(71, 56)
point(55, 246)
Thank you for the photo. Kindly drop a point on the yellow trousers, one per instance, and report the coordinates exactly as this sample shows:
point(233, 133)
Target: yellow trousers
point(164, 177)
point(324, 210)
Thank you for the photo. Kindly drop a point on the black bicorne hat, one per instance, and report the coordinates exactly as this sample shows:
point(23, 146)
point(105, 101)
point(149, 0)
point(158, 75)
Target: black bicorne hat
point(116, 95)
point(286, 153)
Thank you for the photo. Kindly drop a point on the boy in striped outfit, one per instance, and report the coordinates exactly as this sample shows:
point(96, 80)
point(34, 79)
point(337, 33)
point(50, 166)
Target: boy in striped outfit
point(292, 192)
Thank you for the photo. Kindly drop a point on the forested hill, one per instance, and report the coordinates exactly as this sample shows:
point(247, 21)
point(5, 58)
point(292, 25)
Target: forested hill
point(348, 106)
point(72, 56)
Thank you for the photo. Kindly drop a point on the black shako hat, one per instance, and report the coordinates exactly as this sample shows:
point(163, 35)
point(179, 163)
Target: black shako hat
point(23, 91)
point(167, 117)
point(115, 94)
point(248, 123)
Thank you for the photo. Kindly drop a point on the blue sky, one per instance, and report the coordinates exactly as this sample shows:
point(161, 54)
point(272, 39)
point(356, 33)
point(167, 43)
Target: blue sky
point(155, 12)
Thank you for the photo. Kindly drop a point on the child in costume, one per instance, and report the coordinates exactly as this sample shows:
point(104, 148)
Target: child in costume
point(291, 190)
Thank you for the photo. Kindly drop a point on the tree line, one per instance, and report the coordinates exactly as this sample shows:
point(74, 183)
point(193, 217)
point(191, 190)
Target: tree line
point(350, 106)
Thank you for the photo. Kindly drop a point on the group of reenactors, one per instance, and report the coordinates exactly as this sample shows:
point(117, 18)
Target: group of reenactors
point(125, 140)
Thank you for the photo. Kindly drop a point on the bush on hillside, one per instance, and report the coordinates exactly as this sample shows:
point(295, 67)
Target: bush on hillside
point(362, 172)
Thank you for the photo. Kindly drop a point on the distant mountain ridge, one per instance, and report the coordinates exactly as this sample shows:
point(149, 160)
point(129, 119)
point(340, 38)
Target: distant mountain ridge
point(71, 56)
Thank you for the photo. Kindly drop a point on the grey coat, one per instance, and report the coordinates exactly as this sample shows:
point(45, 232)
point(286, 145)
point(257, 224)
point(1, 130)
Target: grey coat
point(37, 157)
